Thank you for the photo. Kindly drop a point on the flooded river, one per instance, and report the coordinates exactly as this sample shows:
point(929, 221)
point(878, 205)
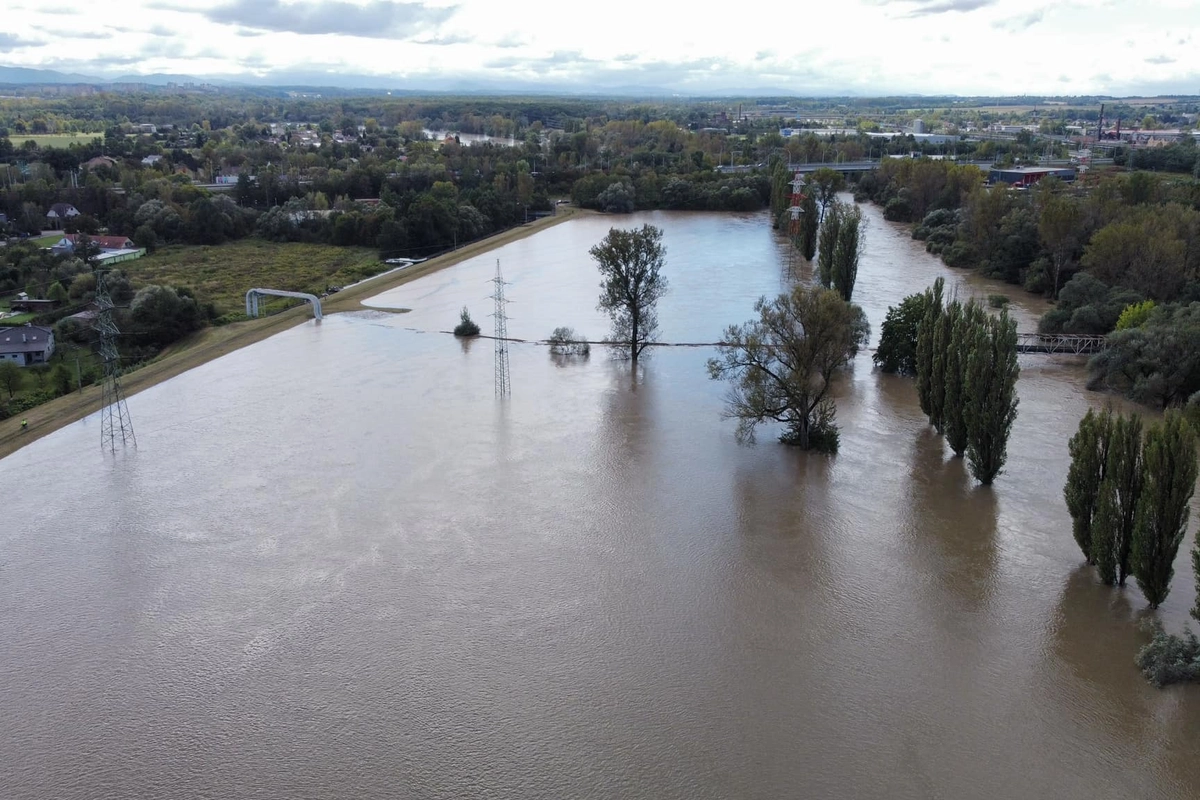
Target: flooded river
point(337, 567)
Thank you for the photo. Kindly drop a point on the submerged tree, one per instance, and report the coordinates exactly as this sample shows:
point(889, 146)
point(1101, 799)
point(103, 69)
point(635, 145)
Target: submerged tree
point(1089, 460)
point(963, 322)
point(630, 263)
point(846, 250)
point(466, 326)
point(1106, 520)
point(897, 350)
point(782, 364)
point(565, 342)
point(990, 393)
point(942, 331)
point(925, 349)
point(831, 226)
point(810, 220)
point(1124, 471)
point(1169, 468)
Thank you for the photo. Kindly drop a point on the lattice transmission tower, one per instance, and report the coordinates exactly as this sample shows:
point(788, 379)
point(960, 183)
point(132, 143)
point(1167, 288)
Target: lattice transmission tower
point(115, 422)
point(795, 212)
point(503, 386)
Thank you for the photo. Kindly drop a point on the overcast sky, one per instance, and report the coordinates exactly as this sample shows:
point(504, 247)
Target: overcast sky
point(992, 47)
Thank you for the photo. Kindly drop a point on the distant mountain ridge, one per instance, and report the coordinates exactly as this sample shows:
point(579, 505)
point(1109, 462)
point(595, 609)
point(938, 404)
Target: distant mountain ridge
point(317, 82)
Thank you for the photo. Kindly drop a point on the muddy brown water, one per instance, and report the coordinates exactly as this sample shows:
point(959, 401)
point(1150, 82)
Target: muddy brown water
point(337, 567)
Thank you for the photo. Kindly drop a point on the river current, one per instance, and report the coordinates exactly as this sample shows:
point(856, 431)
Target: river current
point(336, 566)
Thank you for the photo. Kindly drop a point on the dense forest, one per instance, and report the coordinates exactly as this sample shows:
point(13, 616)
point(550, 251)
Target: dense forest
point(1118, 251)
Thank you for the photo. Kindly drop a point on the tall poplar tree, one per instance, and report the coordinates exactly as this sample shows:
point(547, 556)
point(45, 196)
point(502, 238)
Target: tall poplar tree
point(1124, 470)
point(846, 251)
point(990, 389)
point(810, 220)
point(942, 332)
point(1169, 468)
point(1089, 460)
point(925, 335)
point(954, 422)
point(1105, 522)
point(831, 225)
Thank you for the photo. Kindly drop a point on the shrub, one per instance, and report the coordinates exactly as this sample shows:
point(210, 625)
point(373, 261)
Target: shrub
point(565, 342)
point(1134, 315)
point(1169, 658)
point(1037, 276)
point(998, 300)
point(897, 210)
point(231, 317)
point(466, 326)
point(959, 254)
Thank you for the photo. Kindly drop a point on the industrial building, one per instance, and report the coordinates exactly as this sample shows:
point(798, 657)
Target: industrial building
point(1027, 176)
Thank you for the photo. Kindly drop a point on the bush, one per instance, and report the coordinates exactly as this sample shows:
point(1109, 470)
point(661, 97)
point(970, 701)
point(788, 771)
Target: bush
point(823, 438)
point(466, 325)
point(231, 317)
point(1134, 315)
point(998, 300)
point(897, 210)
point(1170, 659)
point(565, 342)
point(1037, 276)
point(959, 254)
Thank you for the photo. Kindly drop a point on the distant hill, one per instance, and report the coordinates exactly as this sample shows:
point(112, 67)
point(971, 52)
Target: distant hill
point(18, 75)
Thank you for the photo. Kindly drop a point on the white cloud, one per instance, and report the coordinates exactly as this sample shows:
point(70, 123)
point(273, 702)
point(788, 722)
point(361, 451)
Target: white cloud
point(858, 46)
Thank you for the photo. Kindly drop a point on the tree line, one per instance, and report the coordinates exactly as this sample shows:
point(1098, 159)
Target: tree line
point(1128, 490)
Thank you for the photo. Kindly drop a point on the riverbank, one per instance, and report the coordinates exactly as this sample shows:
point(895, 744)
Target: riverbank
point(212, 343)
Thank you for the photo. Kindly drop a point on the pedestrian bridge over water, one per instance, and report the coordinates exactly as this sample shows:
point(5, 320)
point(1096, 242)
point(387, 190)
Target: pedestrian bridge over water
point(1059, 344)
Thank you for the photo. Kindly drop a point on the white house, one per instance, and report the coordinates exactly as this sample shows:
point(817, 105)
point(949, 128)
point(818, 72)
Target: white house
point(26, 345)
point(151, 160)
point(59, 212)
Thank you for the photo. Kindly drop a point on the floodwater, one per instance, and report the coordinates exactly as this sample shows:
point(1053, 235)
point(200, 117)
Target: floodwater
point(337, 567)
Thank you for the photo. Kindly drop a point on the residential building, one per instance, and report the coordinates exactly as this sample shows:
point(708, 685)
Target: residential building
point(151, 160)
point(105, 243)
point(99, 161)
point(26, 345)
point(60, 212)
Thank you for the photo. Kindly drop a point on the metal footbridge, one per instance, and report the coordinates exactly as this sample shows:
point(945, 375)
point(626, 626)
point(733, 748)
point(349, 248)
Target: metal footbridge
point(253, 296)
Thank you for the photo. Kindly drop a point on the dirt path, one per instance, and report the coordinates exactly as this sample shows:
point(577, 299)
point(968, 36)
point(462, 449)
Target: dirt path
point(213, 343)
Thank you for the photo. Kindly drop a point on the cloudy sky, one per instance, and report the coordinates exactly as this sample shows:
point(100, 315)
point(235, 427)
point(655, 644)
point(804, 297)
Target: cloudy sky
point(996, 47)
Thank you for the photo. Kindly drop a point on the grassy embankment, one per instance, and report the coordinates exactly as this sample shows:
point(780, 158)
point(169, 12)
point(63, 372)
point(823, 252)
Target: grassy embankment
point(222, 274)
point(212, 343)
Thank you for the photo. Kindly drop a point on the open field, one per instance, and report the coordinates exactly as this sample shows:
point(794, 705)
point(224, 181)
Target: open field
point(16, 319)
point(53, 139)
point(222, 274)
point(213, 343)
point(47, 241)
